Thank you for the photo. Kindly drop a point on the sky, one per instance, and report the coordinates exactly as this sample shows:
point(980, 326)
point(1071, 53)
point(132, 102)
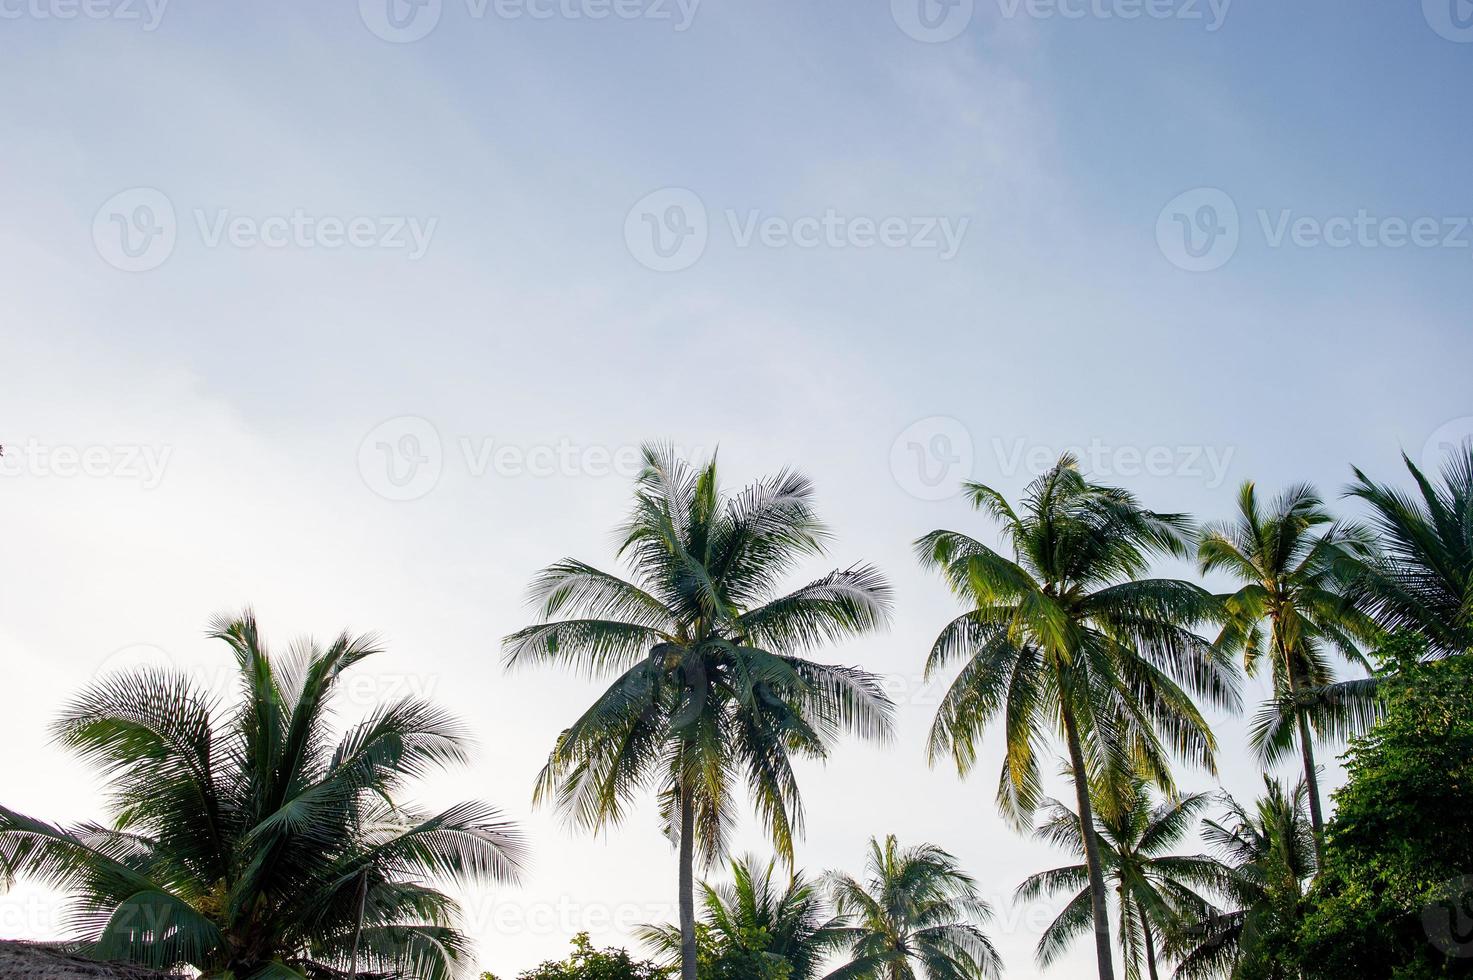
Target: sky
point(357, 312)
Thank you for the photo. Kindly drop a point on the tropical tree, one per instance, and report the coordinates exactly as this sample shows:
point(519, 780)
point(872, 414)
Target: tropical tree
point(1291, 611)
point(1154, 889)
point(1421, 577)
point(1066, 637)
point(1271, 856)
point(711, 682)
point(915, 916)
point(587, 963)
point(757, 926)
point(250, 842)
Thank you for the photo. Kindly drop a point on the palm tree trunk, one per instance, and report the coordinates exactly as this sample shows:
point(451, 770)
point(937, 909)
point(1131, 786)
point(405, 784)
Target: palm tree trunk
point(1311, 778)
point(687, 885)
point(1150, 947)
point(358, 928)
point(1091, 850)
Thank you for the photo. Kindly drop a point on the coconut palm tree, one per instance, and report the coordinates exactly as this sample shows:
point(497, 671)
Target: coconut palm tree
point(1066, 638)
point(1153, 888)
point(756, 918)
point(915, 916)
point(1270, 853)
point(1421, 578)
point(249, 841)
point(711, 684)
point(1286, 559)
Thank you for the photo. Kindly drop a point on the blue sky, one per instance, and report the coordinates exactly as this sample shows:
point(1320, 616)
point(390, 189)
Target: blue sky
point(235, 396)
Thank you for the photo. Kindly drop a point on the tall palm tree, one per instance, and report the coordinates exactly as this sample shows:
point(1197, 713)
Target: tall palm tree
point(1065, 637)
point(1271, 855)
point(1286, 559)
point(710, 679)
point(1154, 888)
point(249, 841)
point(915, 916)
point(1422, 577)
point(758, 918)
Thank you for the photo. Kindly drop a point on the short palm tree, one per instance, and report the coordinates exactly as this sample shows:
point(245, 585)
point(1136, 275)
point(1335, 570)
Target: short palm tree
point(248, 841)
point(1270, 855)
point(710, 680)
point(1421, 578)
point(1154, 888)
point(757, 917)
point(915, 916)
point(1286, 559)
point(1066, 638)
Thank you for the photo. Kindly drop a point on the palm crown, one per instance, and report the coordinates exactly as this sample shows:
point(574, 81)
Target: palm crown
point(756, 920)
point(1066, 637)
point(1288, 559)
point(915, 916)
point(1154, 888)
point(710, 679)
point(252, 843)
point(1421, 578)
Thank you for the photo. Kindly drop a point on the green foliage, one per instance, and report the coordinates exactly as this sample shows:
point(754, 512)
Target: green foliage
point(758, 927)
point(1417, 573)
point(587, 963)
point(1270, 855)
point(914, 915)
point(1403, 829)
point(253, 842)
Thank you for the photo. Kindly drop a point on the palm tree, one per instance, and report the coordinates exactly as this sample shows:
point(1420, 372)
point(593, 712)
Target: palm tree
point(1271, 855)
point(1286, 559)
point(711, 683)
point(916, 916)
point(252, 842)
point(1422, 578)
point(1153, 888)
point(1066, 637)
point(754, 919)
